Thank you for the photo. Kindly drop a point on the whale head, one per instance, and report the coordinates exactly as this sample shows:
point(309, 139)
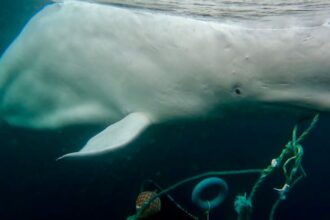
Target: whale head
point(287, 68)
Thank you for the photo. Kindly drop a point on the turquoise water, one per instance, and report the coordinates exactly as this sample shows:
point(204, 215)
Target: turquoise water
point(34, 186)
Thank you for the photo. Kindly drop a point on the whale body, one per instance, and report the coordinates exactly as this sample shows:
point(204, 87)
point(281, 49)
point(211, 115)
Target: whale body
point(79, 62)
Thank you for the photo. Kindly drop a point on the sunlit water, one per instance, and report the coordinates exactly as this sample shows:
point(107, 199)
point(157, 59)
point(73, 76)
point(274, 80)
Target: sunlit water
point(283, 12)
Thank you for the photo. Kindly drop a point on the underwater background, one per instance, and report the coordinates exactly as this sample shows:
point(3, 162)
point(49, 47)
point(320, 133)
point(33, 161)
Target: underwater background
point(33, 185)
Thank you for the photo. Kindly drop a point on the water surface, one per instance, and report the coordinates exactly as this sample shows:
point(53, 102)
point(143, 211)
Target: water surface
point(286, 13)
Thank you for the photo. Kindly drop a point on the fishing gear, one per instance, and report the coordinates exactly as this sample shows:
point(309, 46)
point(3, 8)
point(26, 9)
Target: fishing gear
point(206, 204)
point(291, 153)
point(289, 161)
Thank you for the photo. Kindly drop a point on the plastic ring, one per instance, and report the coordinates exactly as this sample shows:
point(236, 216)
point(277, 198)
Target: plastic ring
point(201, 187)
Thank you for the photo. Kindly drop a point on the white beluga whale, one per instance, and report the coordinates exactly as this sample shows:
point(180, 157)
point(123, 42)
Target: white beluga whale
point(79, 62)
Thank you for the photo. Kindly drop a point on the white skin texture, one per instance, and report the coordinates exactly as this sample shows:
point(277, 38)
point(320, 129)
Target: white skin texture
point(78, 62)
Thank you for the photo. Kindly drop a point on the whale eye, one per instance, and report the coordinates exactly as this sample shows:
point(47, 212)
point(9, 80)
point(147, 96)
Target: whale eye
point(237, 89)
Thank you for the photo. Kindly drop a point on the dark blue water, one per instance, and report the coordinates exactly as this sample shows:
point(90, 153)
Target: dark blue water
point(33, 185)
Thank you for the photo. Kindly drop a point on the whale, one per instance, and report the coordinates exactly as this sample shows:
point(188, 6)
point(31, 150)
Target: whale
point(80, 62)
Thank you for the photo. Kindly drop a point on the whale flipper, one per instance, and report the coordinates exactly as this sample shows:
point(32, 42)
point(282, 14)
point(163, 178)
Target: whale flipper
point(116, 135)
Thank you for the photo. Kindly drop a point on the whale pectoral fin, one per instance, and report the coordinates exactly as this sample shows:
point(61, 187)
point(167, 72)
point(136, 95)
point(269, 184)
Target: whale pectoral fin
point(115, 136)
